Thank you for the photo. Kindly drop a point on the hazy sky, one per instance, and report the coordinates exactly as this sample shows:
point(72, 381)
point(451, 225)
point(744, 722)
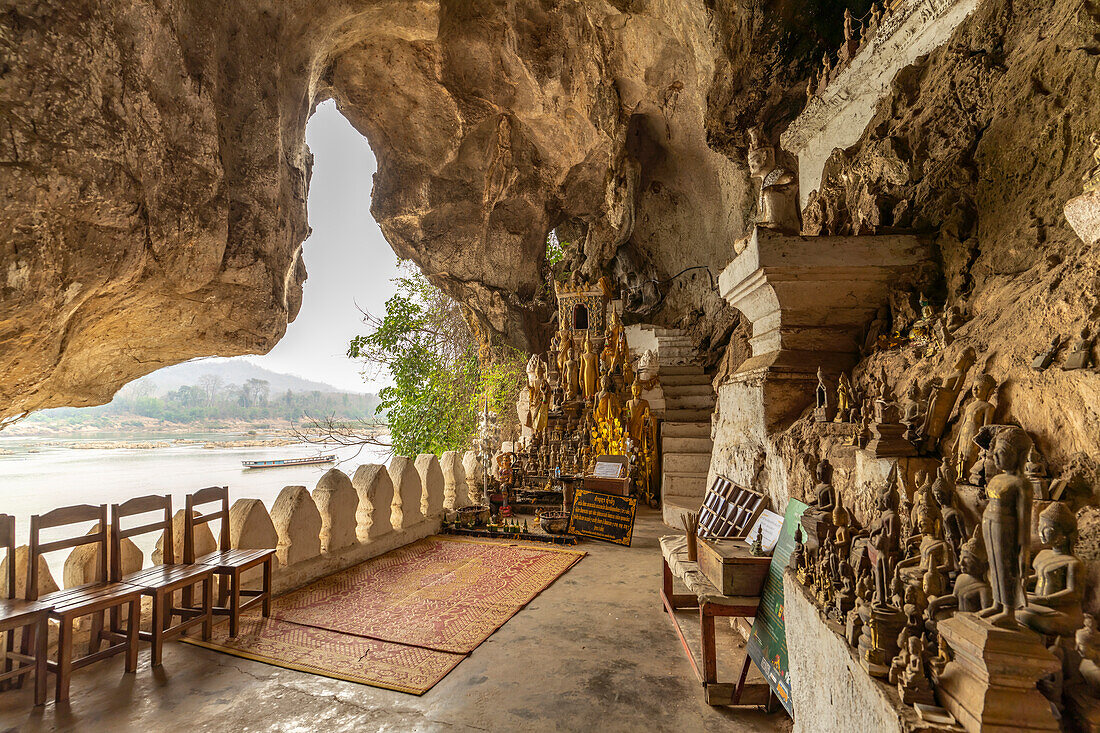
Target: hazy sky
point(349, 262)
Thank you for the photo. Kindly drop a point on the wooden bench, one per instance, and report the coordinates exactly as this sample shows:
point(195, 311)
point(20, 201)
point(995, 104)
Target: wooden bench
point(710, 602)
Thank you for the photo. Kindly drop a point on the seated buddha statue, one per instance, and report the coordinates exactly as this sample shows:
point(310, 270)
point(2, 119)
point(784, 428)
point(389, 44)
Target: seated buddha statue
point(1054, 606)
point(932, 552)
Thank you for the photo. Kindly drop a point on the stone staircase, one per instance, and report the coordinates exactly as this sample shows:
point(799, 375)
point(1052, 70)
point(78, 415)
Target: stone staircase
point(685, 433)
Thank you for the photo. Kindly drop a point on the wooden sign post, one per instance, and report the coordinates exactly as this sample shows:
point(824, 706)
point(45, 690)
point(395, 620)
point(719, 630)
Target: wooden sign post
point(767, 645)
point(603, 517)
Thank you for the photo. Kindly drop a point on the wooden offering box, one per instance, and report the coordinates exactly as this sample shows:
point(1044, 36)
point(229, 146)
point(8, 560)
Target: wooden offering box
point(732, 569)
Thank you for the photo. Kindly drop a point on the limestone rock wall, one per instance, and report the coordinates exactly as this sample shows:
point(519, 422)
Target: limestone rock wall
point(155, 173)
point(977, 146)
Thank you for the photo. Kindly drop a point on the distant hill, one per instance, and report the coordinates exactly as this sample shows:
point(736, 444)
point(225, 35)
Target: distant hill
point(209, 393)
point(230, 371)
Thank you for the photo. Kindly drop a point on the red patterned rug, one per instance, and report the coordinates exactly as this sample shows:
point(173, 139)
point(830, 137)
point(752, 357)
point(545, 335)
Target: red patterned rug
point(402, 620)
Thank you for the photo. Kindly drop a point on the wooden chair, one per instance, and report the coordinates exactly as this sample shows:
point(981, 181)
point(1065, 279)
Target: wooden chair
point(29, 616)
point(90, 599)
point(160, 582)
point(228, 563)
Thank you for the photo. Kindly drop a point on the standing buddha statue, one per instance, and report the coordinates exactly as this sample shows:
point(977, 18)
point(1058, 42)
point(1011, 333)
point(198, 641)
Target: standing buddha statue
point(589, 369)
point(1006, 522)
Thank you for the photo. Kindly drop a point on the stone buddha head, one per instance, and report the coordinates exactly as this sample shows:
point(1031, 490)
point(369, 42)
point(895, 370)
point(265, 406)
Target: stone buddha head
point(1058, 527)
point(761, 158)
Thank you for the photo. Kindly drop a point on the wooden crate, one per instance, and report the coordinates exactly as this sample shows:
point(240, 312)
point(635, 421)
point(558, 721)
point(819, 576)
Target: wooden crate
point(732, 569)
point(616, 486)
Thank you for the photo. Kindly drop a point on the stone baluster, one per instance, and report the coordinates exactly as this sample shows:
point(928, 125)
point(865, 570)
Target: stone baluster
point(375, 489)
point(455, 492)
point(472, 466)
point(251, 528)
point(82, 564)
point(46, 583)
point(204, 541)
point(337, 502)
point(431, 484)
point(298, 524)
point(406, 493)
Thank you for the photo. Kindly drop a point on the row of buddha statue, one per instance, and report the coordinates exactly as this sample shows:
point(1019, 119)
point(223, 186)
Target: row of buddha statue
point(925, 557)
point(577, 406)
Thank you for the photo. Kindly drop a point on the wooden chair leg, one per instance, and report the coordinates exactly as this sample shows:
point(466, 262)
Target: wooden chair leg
point(41, 650)
point(9, 648)
point(64, 658)
point(132, 635)
point(96, 632)
point(208, 608)
point(234, 603)
point(223, 594)
point(267, 588)
point(710, 661)
point(157, 629)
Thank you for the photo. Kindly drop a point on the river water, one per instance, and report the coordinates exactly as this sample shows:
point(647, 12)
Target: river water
point(40, 474)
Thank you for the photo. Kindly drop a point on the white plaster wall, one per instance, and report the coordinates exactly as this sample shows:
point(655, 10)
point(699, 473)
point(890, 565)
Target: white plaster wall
point(838, 117)
point(830, 690)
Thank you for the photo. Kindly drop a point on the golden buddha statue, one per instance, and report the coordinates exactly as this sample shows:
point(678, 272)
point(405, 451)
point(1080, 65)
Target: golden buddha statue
point(638, 412)
point(1055, 605)
point(608, 407)
point(570, 375)
point(589, 369)
point(565, 349)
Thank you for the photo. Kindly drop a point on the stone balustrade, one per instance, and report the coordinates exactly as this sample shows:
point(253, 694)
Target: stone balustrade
point(455, 492)
point(343, 523)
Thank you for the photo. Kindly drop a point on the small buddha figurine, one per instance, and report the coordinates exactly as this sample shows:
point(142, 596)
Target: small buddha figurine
point(883, 539)
point(608, 407)
point(1088, 647)
point(912, 413)
point(972, 591)
point(589, 369)
point(777, 205)
point(853, 627)
point(977, 414)
point(638, 412)
point(843, 399)
point(799, 553)
point(824, 493)
point(571, 374)
point(932, 553)
point(914, 687)
point(954, 523)
point(1006, 522)
point(1055, 605)
point(920, 332)
point(565, 349)
point(1036, 471)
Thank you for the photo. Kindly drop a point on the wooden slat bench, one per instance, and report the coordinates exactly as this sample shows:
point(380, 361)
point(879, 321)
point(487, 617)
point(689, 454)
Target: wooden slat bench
point(710, 602)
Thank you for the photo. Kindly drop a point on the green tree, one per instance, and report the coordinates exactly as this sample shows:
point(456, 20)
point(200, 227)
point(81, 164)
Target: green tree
point(436, 364)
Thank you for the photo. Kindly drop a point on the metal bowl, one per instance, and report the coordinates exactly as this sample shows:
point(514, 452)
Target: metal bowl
point(472, 516)
point(554, 522)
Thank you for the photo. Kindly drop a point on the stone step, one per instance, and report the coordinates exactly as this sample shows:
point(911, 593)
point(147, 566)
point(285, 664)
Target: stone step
point(678, 341)
point(692, 415)
point(690, 402)
point(667, 332)
point(696, 429)
point(673, 510)
point(696, 463)
point(675, 444)
point(681, 370)
point(684, 485)
point(684, 380)
point(691, 389)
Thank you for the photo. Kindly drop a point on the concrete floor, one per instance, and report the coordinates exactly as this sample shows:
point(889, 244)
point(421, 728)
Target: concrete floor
point(594, 652)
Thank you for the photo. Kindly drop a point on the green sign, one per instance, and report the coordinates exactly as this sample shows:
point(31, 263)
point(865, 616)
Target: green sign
point(767, 645)
point(603, 516)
